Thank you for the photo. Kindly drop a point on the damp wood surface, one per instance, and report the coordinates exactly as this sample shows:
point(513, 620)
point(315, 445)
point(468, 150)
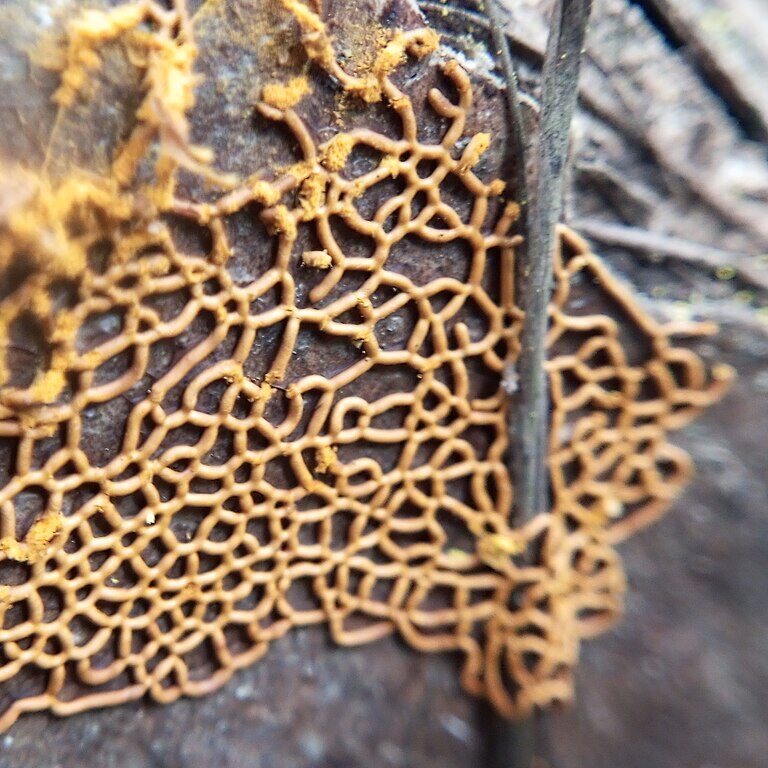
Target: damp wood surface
point(683, 678)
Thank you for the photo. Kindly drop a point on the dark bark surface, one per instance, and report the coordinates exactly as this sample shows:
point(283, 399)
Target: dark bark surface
point(308, 703)
point(668, 140)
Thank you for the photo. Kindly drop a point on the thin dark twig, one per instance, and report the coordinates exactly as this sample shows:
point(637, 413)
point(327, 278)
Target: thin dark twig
point(721, 312)
point(667, 246)
point(516, 125)
point(514, 745)
point(511, 745)
point(522, 47)
point(529, 433)
point(517, 150)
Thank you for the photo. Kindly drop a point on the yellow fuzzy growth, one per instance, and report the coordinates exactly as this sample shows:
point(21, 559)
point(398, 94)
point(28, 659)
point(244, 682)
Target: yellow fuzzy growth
point(512, 210)
point(316, 259)
point(85, 33)
point(423, 42)
point(369, 88)
point(42, 227)
point(299, 171)
point(169, 82)
point(312, 194)
point(418, 44)
point(357, 188)
point(400, 102)
point(307, 19)
point(51, 231)
point(47, 387)
point(362, 335)
point(265, 193)
point(283, 221)
point(474, 151)
point(167, 58)
point(390, 57)
point(158, 266)
point(36, 542)
point(93, 359)
point(495, 549)
point(496, 187)
point(285, 95)
point(235, 376)
point(131, 154)
point(391, 164)
point(170, 95)
point(66, 323)
point(170, 79)
point(263, 393)
point(325, 458)
point(337, 151)
point(317, 42)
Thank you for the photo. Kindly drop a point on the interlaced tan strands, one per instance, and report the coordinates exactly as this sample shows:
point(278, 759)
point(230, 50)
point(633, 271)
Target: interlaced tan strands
point(611, 463)
point(238, 506)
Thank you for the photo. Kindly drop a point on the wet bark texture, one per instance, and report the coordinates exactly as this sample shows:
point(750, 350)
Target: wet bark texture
point(669, 179)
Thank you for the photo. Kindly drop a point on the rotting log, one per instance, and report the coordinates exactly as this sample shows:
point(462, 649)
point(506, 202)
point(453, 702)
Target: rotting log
point(652, 185)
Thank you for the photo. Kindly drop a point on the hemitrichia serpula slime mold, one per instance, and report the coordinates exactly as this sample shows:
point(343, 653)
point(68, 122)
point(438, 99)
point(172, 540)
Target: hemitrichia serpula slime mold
point(244, 496)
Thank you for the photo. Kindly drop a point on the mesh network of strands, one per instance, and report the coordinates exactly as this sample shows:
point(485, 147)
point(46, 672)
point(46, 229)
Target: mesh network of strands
point(241, 499)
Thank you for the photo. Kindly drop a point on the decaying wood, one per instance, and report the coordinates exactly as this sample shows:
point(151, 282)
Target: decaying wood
point(662, 149)
point(725, 41)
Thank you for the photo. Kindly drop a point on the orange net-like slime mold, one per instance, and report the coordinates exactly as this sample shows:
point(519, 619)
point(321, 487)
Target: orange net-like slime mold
point(242, 496)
